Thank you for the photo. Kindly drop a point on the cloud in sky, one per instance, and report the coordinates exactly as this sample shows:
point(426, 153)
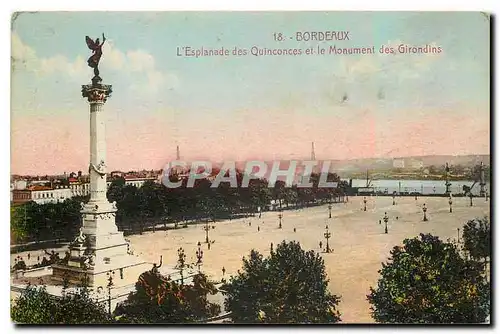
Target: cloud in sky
point(136, 63)
point(22, 55)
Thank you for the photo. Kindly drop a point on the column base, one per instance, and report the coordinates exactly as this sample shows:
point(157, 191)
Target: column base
point(125, 270)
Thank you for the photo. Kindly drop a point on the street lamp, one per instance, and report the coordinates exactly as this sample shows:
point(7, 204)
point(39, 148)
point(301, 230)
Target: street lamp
point(450, 201)
point(206, 228)
point(111, 275)
point(280, 216)
point(386, 219)
point(424, 209)
point(181, 261)
point(330, 210)
point(364, 201)
point(327, 235)
point(199, 256)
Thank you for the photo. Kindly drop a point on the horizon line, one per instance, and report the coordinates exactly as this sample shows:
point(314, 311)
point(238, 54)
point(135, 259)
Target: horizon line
point(294, 159)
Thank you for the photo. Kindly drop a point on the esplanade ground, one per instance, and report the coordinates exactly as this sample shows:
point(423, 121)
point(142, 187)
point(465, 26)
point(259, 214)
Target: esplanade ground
point(358, 239)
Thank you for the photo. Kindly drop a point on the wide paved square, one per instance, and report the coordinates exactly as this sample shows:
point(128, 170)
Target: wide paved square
point(358, 240)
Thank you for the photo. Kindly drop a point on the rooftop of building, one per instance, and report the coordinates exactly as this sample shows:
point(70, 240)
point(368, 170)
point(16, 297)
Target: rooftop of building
point(38, 188)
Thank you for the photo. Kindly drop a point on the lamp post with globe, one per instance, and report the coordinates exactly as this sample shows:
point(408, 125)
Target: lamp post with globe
point(386, 220)
point(327, 235)
point(199, 256)
point(207, 228)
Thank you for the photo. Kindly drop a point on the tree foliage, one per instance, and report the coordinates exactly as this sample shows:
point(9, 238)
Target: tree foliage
point(476, 237)
point(153, 203)
point(289, 286)
point(427, 281)
point(35, 222)
point(36, 306)
point(160, 300)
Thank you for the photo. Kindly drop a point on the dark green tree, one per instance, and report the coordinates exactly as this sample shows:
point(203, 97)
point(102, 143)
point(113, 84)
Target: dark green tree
point(260, 194)
point(427, 281)
point(476, 237)
point(36, 222)
point(278, 192)
point(19, 228)
point(289, 286)
point(160, 300)
point(36, 306)
point(115, 190)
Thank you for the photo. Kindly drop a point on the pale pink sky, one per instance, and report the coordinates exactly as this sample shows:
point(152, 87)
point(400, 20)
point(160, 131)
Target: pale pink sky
point(240, 108)
point(54, 144)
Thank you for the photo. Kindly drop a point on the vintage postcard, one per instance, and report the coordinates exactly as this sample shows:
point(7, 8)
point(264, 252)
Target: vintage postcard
point(250, 167)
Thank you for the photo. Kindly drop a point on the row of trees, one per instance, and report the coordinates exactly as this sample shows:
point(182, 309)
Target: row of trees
point(160, 300)
point(425, 280)
point(37, 306)
point(35, 222)
point(153, 203)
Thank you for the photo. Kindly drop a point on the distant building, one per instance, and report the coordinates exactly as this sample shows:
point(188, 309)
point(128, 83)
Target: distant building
point(137, 181)
point(416, 164)
point(115, 174)
point(78, 187)
point(39, 182)
point(20, 196)
point(41, 194)
point(46, 191)
point(20, 184)
point(398, 163)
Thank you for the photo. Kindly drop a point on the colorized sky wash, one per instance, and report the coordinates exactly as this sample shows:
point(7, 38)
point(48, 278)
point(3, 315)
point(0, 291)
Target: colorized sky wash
point(240, 108)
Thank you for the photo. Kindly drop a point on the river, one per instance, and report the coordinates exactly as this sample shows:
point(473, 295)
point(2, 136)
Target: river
point(422, 186)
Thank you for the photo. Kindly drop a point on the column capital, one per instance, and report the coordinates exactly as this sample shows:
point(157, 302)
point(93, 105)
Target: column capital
point(96, 92)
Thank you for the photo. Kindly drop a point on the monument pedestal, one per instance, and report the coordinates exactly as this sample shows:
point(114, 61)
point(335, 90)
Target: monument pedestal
point(100, 251)
point(125, 270)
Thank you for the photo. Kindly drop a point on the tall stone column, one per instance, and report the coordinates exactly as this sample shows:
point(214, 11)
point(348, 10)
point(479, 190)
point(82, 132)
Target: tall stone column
point(97, 94)
point(98, 214)
point(100, 248)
